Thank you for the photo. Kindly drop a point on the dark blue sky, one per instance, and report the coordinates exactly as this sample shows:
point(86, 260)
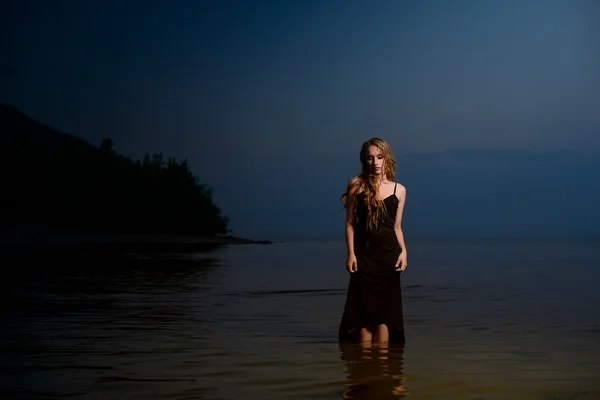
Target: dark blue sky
point(491, 107)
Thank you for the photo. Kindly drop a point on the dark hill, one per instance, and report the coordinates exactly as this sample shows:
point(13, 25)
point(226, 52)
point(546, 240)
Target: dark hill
point(58, 181)
point(30, 140)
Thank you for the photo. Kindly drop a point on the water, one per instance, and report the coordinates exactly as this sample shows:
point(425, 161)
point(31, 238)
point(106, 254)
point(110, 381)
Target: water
point(509, 319)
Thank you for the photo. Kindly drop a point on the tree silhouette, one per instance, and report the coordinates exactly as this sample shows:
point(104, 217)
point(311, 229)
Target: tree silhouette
point(107, 145)
point(61, 182)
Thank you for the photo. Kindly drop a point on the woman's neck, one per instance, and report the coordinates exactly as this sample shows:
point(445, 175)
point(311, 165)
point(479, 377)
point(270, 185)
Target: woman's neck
point(381, 180)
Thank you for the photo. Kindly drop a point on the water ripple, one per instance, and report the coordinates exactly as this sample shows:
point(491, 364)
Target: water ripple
point(202, 327)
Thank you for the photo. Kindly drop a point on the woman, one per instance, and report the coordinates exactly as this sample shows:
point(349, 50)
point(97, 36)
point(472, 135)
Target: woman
point(376, 249)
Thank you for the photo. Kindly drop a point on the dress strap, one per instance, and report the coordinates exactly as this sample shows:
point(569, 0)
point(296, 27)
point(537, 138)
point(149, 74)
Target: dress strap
point(396, 184)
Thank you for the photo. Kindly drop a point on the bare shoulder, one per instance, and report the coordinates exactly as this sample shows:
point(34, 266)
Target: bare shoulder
point(353, 185)
point(400, 191)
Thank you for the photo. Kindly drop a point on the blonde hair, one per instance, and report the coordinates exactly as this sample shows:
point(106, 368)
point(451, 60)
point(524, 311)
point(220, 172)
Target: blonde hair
point(368, 183)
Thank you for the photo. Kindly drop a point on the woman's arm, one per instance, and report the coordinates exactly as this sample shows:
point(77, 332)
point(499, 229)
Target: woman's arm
point(351, 193)
point(398, 226)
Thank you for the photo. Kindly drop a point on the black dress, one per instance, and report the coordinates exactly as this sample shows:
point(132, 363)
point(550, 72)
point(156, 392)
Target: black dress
point(374, 294)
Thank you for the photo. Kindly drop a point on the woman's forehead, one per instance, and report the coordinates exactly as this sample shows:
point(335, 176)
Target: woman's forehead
point(373, 151)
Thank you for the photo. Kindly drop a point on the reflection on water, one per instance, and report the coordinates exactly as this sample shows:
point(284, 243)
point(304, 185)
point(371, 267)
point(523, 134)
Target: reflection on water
point(259, 322)
point(373, 372)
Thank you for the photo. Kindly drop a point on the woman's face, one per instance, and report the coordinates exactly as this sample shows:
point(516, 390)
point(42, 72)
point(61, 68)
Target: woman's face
point(375, 160)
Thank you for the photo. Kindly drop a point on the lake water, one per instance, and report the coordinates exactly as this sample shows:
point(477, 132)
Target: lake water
point(485, 319)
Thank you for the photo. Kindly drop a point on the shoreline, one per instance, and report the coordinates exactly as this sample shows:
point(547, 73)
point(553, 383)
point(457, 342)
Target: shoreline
point(53, 240)
point(110, 251)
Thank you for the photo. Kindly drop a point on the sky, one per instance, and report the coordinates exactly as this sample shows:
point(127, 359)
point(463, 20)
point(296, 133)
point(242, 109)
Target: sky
point(492, 108)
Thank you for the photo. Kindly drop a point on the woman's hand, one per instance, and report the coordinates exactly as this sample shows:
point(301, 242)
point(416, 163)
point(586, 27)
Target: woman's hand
point(351, 263)
point(401, 264)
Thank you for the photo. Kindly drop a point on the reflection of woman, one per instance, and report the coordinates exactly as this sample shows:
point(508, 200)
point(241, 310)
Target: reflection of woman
point(373, 372)
point(376, 249)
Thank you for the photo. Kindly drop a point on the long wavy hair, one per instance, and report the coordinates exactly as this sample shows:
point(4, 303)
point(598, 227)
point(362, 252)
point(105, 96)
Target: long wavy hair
point(368, 182)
